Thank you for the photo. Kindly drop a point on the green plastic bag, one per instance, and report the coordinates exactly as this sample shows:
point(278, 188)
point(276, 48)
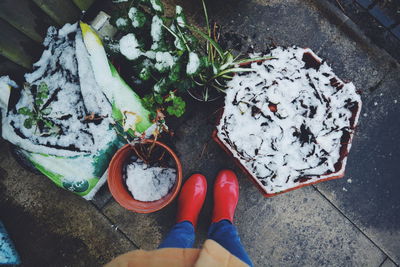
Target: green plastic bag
point(72, 135)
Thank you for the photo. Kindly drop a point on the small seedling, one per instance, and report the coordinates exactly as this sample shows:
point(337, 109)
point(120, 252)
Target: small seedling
point(38, 113)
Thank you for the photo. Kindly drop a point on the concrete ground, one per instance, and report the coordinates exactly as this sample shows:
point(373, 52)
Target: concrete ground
point(354, 221)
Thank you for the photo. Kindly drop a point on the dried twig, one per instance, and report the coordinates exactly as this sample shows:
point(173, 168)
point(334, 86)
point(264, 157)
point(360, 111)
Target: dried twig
point(203, 150)
point(162, 155)
point(139, 154)
point(93, 117)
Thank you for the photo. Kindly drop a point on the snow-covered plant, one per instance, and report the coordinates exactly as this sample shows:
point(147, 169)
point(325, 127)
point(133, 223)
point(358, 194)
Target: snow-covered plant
point(170, 56)
point(155, 59)
point(39, 110)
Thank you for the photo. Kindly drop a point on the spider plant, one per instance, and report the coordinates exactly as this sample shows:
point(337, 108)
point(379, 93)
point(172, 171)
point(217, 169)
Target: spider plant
point(219, 65)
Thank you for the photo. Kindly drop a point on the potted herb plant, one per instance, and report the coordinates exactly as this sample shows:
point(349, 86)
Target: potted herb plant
point(145, 176)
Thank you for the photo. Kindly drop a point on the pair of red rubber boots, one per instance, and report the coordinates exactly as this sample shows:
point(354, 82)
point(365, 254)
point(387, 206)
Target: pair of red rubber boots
point(193, 194)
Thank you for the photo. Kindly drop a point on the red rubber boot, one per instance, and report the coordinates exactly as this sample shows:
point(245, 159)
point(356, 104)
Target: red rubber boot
point(226, 196)
point(191, 199)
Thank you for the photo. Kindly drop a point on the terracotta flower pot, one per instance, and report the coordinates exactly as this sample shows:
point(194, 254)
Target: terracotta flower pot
point(120, 191)
point(344, 148)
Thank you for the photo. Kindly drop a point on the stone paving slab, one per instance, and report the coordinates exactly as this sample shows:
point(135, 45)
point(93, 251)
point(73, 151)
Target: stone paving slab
point(50, 226)
point(144, 230)
point(353, 57)
point(302, 23)
point(294, 229)
point(369, 194)
point(388, 263)
point(102, 197)
point(301, 229)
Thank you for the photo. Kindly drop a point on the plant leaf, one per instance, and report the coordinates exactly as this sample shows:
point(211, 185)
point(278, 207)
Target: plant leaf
point(232, 70)
point(28, 123)
point(248, 60)
point(229, 60)
point(43, 87)
point(214, 44)
point(206, 17)
point(39, 102)
point(25, 111)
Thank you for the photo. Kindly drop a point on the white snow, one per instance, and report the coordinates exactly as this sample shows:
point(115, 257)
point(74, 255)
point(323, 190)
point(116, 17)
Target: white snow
point(121, 22)
point(156, 31)
point(164, 60)
point(193, 63)
point(5, 90)
point(301, 138)
point(129, 47)
point(65, 68)
point(156, 6)
point(67, 29)
point(132, 14)
point(180, 21)
point(178, 10)
point(178, 42)
point(148, 183)
point(349, 181)
point(179, 16)
point(7, 80)
point(150, 54)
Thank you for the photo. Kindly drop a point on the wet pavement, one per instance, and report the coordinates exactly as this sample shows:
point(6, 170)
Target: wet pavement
point(353, 221)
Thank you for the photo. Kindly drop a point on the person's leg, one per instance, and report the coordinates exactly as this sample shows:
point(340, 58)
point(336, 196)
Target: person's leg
point(222, 230)
point(190, 202)
point(180, 236)
point(225, 234)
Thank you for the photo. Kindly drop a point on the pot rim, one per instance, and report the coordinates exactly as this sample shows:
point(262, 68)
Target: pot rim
point(121, 194)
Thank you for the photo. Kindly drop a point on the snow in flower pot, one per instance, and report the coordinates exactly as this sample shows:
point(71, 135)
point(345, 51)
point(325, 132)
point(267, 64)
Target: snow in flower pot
point(290, 122)
point(145, 177)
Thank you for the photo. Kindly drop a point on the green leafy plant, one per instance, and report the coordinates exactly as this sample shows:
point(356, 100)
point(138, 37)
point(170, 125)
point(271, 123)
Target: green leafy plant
point(156, 59)
point(178, 105)
point(37, 114)
point(171, 57)
point(219, 65)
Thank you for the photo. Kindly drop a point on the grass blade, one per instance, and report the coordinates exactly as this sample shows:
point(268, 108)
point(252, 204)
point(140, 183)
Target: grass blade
point(214, 44)
point(182, 38)
point(206, 17)
point(248, 60)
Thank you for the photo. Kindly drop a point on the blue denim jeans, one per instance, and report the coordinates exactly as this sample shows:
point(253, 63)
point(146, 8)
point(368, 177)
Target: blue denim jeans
point(222, 232)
